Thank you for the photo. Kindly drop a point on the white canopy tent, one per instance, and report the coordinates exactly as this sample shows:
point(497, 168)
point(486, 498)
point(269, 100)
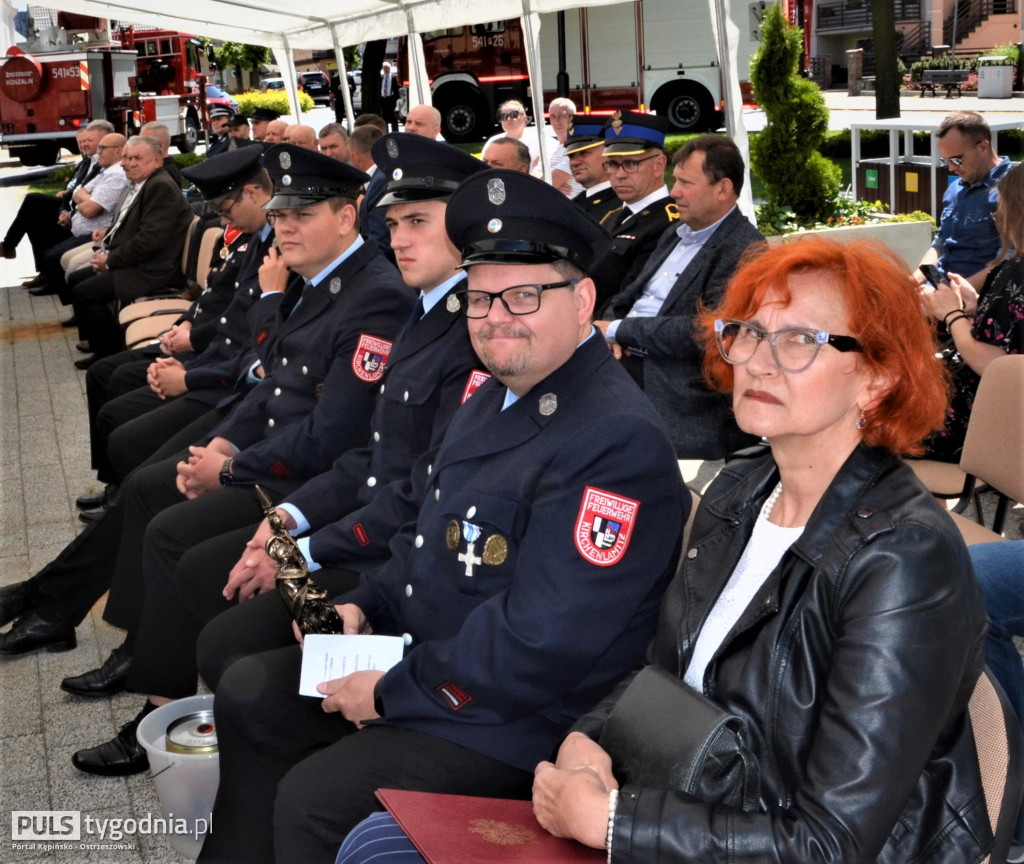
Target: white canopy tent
point(351, 22)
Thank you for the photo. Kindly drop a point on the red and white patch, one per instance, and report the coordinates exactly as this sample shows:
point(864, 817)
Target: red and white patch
point(604, 526)
point(453, 694)
point(370, 358)
point(476, 378)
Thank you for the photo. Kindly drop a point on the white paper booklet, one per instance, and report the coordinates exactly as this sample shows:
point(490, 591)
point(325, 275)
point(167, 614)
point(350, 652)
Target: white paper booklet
point(330, 656)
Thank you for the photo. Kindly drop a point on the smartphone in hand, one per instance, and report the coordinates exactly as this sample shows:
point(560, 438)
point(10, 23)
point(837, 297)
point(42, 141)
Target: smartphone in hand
point(931, 273)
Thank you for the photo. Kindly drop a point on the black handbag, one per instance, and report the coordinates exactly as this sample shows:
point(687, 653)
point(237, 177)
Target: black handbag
point(663, 734)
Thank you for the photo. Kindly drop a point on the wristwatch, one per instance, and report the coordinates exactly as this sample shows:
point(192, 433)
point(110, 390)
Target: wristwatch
point(225, 471)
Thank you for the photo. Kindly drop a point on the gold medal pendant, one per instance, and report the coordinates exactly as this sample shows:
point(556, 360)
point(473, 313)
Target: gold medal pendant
point(495, 550)
point(453, 536)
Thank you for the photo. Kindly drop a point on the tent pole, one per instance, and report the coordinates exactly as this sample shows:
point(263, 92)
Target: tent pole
point(531, 33)
point(339, 56)
point(286, 59)
point(727, 36)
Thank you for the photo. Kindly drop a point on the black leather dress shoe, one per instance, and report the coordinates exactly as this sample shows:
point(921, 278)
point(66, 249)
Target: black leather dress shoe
point(118, 757)
point(109, 679)
point(15, 600)
point(97, 499)
point(85, 362)
point(31, 632)
point(92, 515)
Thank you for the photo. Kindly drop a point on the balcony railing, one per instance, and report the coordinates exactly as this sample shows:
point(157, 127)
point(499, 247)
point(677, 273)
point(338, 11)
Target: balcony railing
point(856, 14)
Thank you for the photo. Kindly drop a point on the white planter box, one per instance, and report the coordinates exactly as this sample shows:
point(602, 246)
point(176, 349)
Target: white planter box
point(910, 240)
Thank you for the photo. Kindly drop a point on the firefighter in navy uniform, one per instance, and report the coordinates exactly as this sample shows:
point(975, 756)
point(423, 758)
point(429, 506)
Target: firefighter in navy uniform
point(584, 145)
point(635, 163)
point(431, 371)
point(527, 586)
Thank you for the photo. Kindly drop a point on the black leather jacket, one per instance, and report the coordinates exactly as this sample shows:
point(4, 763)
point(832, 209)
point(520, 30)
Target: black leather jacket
point(852, 668)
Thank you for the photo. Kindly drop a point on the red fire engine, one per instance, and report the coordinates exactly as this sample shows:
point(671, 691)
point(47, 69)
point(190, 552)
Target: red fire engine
point(68, 75)
point(656, 54)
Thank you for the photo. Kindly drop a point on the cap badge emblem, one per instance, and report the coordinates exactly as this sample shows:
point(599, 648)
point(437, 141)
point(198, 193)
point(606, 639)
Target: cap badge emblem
point(285, 160)
point(397, 173)
point(496, 192)
point(286, 179)
point(335, 285)
point(617, 123)
point(452, 303)
point(570, 131)
point(494, 226)
point(548, 404)
point(392, 147)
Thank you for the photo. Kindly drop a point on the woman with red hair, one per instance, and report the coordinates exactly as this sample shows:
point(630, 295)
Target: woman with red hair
point(824, 598)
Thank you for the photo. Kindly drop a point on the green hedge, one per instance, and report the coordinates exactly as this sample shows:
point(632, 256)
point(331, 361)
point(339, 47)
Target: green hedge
point(275, 100)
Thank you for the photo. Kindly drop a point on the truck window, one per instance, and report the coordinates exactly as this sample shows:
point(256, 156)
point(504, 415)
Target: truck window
point(430, 35)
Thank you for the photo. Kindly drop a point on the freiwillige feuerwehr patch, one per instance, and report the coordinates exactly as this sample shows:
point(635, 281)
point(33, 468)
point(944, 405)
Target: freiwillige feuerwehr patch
point(476, 378)
point(370, 358)
point(604, 526)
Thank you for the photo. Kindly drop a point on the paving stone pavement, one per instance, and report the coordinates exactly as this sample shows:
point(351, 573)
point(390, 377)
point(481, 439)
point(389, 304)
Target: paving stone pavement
point(44, 465)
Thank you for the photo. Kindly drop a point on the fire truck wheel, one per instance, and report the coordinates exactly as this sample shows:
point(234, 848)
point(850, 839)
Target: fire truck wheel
point(186, 143)
point(464, 115)
point(43, 153)
point(687, 106)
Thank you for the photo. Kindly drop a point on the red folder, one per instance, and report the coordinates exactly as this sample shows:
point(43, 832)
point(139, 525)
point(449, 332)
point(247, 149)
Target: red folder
point(458, 829)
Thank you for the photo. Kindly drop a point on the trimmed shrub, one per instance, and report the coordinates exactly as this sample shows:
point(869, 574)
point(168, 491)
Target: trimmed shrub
point(275, 100)
point(785, 155)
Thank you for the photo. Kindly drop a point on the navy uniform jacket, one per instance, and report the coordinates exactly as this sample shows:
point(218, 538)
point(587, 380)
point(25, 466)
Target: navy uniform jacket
point(632, 244)
point(600, 204)
point(699, 420)
point(371, 217)
point(325, 364)
point(213, 374)
point(431, 372)
point(205, 313)
point(536, 566)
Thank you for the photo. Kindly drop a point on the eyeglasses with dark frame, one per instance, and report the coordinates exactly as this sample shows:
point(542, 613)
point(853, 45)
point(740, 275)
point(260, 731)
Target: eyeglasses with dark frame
point(517, 299)
point(793, 349)
point(226, 214)
point(958, 161)
point(630, 166)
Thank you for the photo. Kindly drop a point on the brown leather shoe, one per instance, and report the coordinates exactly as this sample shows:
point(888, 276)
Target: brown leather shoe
point(37, 281)
point(83, 346)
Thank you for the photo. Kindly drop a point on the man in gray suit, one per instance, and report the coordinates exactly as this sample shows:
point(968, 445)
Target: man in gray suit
point(652, 319)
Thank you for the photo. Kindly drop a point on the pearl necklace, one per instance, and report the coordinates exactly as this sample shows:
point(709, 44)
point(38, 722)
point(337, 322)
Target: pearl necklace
point(769, 505)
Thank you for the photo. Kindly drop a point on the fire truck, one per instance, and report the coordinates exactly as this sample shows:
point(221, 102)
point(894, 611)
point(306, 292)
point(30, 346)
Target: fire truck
point(65, 76)
point(659, 55)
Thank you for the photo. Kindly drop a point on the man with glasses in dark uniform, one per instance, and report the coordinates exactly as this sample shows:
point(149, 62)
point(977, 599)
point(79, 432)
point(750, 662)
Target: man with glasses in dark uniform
point(516, 608)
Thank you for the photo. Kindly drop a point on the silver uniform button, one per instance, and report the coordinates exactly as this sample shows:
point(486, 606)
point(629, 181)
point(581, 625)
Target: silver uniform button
point(227, 340)
point(376, 436)
point(371, 481)
point(437, 494)
point(277, 391)
point(284, 361)
point(430, 470)
point(405, 398)
point(419, 541)
point(270, 422)
point(223, 320)
point(471, 512)
point(305, 370)
point(408, 590)
point(381, 388)
point(407, 639)
point(692, 553)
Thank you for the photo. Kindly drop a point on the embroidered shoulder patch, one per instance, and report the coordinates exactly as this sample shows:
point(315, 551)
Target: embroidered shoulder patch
point(476, 378)
point(454, 695)
point(604, 526)
point(370, 358)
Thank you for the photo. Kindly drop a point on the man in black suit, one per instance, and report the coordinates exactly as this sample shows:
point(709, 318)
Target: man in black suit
point(141, 251)
point(388, 96)
point(650, 322)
